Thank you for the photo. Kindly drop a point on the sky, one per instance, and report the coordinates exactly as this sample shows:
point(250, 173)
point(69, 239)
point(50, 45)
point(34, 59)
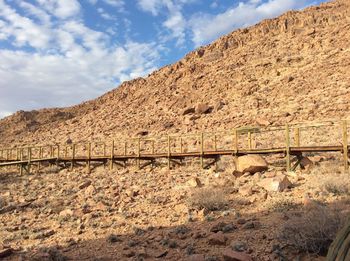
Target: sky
point(56, 53)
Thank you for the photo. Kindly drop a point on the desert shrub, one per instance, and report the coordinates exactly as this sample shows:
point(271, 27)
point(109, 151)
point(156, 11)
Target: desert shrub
point(208, 198)
point(314, 230)
point(337, 185)
point(282, 205)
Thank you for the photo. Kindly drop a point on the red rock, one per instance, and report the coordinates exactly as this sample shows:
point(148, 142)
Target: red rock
point(196, 257)
point(217, 239)
point(6, 252)
point(231, 255)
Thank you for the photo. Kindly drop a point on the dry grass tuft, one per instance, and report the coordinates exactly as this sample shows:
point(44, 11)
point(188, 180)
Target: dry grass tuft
point(338, 185)
point(282, 205)
point(313, 231)
point(208, 198)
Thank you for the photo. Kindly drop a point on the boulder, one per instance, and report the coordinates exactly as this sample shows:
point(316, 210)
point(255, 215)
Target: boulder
point(263, 122)
point(251, 164)
point(217, 239)
point(275, 184)
point(84, 184)
point(203, 108)
point(196, 257)
point(231, 255)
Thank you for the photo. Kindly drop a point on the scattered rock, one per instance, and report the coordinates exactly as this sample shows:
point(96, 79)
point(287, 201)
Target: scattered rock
point(251, 164)
point(6, 252)
point(188, 110)
point(84, 184)
point(196, 257)
point(194, 183)
point(202, 108)
point(217, 239)
point(275, 184)
point(231, 255)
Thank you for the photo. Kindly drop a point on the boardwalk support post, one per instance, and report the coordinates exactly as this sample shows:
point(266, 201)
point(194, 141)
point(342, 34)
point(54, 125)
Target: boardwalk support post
point(139, 153)
point(169, 152)
point(88, 162)
point(73, 156)
point(345, 147)
point(112, 156)
point(202, 150)
point(288, 167)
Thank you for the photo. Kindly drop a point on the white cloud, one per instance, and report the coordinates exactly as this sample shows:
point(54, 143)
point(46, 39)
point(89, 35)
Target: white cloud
point(206, 27)
point(61, 8)
point(24, 30)
point(71, 61)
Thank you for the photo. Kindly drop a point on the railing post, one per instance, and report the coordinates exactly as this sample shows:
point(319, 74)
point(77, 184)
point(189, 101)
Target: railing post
point(215, 143)
point(58, 155)
point(125, 153)
point(249, 140)
point(169, 152)
point(287, 148)
point(73, 156)
point(112, 156)
point(29, 159)
point(139, 153)
point(345, 146)
point(88, 167)
point(21, 165)
point(235, 141)
point(202, 150)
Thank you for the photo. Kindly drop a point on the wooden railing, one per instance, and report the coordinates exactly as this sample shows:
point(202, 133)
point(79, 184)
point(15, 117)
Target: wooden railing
point(290, 139)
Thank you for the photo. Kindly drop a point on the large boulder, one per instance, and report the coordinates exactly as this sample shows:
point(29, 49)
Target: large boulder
point(275, 184)
point(251, 164)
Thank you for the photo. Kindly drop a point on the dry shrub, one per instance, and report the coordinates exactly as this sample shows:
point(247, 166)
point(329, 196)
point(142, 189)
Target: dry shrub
point(338, 185)
point(208, 198)
point(282, 205)
point(314, 230)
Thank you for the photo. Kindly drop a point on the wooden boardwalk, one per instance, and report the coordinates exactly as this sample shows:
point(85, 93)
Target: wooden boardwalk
point(319, 137)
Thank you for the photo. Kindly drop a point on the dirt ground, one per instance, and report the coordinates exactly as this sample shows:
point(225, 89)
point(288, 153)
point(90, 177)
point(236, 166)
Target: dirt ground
point(151, 214)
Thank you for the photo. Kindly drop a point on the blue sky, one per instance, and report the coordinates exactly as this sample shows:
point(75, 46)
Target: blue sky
point(57, 53)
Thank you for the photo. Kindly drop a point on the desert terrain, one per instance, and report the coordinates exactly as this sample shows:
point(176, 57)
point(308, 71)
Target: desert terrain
point(294, 68)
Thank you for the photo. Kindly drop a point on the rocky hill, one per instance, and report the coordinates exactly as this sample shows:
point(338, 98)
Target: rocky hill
point(292, 68)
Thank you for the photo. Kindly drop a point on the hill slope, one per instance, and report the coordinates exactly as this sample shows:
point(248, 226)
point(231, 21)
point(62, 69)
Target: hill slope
point(295, 67)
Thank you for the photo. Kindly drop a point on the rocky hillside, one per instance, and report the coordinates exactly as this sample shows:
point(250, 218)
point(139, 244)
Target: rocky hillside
point(292, 68)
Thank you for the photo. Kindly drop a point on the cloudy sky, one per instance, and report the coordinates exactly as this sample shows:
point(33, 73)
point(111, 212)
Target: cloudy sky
point(61, 52)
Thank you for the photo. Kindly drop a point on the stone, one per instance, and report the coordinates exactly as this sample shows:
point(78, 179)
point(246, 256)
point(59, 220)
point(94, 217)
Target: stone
point(246, 190)
point(219, 105)
point(5, 252)
point(263, 122)
point(239, 246)
point(188, 110)
point(90, 190)
point(196, 257)
point(66, 213)
point(275, 184)
point(251, 164)
point(202, 108)
point(84, 184)
point(217, 239)
point(194, 183)
point(231, 255)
